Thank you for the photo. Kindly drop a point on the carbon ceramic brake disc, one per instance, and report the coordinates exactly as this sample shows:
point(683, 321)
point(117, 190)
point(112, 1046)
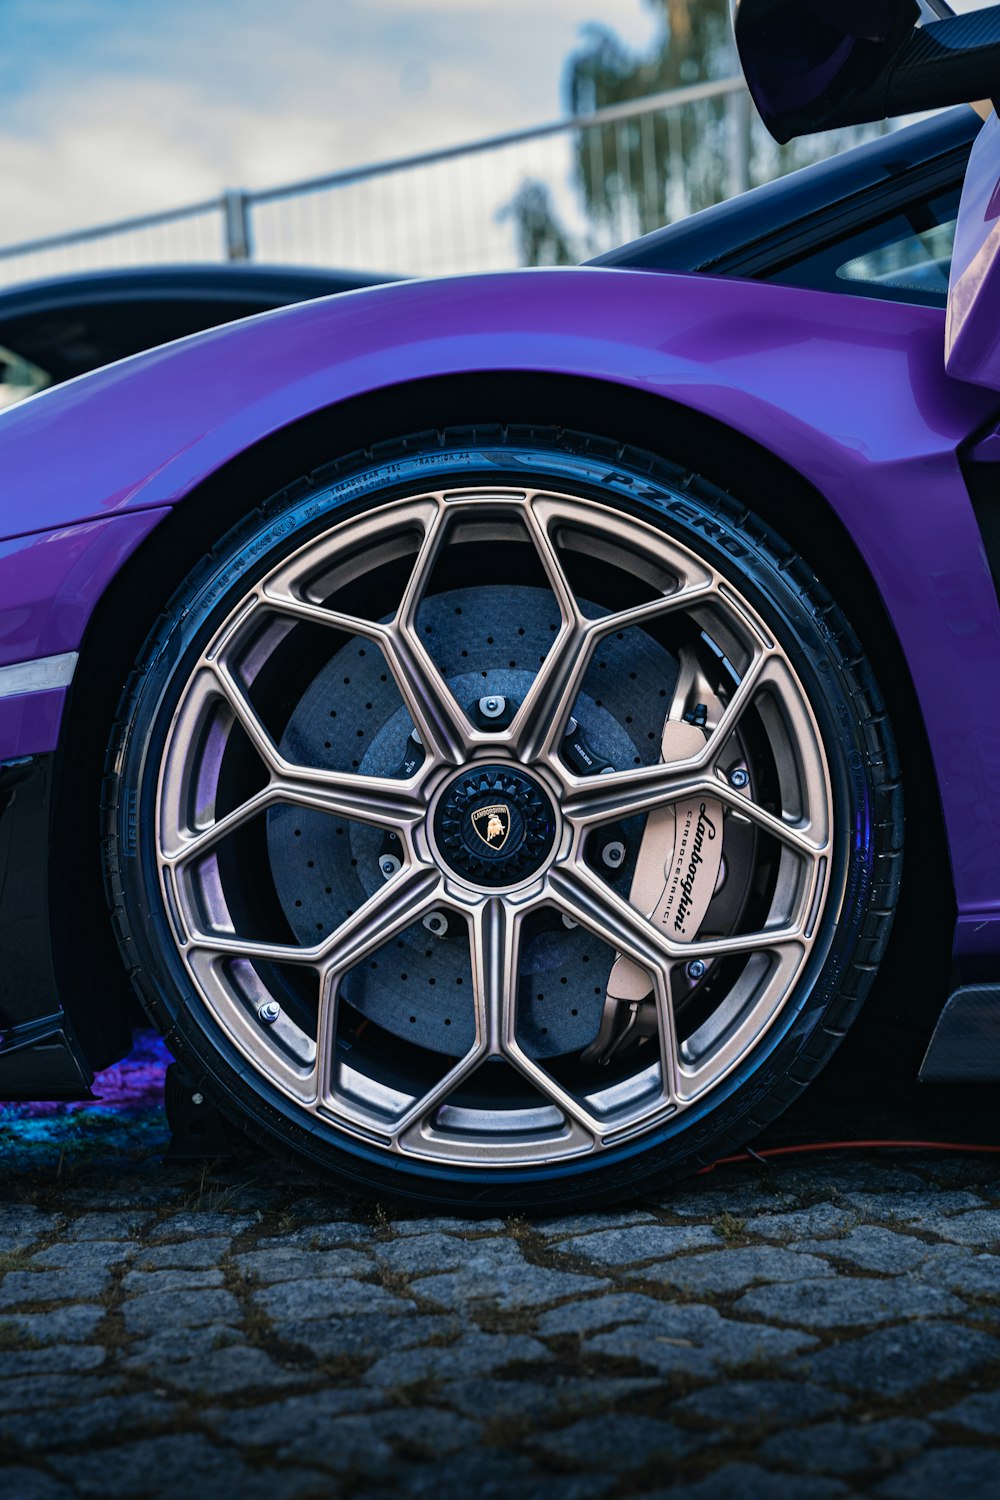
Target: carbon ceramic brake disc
point(486, 640)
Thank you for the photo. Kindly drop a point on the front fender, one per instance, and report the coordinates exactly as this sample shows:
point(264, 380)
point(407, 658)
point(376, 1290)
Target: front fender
point(850, 392)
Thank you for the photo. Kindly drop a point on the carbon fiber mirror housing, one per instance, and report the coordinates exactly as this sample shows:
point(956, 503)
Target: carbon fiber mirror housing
point(815, 65)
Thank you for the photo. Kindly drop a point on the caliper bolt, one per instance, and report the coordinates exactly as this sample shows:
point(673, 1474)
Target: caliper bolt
point(696, 969)
point(436, 922)
point(613, 854)
point(739, 778)
point(269, 1012)
point(492, 707)
point(388, 864)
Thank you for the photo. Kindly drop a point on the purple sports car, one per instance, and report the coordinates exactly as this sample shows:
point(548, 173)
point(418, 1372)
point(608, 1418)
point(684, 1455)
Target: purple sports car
point(487, 707)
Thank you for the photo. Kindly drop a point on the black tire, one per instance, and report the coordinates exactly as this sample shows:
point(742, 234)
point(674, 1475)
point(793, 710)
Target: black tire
point(842, 694)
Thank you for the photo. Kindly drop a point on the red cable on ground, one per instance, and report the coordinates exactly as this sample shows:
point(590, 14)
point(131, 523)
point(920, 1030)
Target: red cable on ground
point(770, 1151)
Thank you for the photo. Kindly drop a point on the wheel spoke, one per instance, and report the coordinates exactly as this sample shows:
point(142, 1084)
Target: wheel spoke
point(495, 945)
point(794, 836)
point(625, 794)
point(411, 1123)
point(375, 800)
point(493, 938)
point(551, 562)
point(540, 722)
point(195, 842)
point(442, 726)
point(318, 614)
point(400, 902)
point(423, 567)
point(663, 997)
point(584, 897)
point(245, 714)
point(379, 800)
point(652, 609)
point(496, 972)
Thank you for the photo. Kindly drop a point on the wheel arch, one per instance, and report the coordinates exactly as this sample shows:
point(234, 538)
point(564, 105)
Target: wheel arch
point(130, 606)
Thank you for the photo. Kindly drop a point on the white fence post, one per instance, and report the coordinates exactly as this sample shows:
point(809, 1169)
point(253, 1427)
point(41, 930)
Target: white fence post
point(238, 229)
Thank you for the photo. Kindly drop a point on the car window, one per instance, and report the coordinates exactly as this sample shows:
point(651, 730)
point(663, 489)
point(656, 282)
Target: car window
point(904, 258)
point(19, 378)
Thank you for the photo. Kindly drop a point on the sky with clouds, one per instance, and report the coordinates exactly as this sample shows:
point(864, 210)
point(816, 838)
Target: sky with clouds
point(112, 107)
point(115, 108)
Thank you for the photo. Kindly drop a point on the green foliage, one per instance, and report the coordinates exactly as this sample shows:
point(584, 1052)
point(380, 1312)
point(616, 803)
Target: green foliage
point(635, 175)
point(654, 167)
point(540, 237)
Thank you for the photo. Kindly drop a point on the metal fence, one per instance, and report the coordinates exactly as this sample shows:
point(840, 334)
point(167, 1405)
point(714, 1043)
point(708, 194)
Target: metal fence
point(563, 191)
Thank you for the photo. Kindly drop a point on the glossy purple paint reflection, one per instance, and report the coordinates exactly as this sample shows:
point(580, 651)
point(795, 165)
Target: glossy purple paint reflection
point(50, 581)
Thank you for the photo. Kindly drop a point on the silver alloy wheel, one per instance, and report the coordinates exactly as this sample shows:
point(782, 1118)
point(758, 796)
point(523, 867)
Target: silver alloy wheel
point(750, 753)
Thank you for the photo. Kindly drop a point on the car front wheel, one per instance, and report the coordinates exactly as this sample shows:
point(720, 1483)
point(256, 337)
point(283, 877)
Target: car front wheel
point(508, 819)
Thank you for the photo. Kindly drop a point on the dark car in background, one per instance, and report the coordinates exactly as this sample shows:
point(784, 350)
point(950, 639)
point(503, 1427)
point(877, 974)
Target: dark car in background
point(51, 331)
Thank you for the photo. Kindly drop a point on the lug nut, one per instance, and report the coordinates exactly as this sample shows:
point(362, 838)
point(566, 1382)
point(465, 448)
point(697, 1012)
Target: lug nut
point(569, 923)
point(696, 969)
point(197, 1098)
point(739, 778)
point(492, 707)
point(436, 922)
point(613, 854)
point(269, 1012)
point(388, 864)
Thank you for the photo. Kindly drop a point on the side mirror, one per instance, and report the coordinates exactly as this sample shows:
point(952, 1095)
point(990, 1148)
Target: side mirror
point(819, 64)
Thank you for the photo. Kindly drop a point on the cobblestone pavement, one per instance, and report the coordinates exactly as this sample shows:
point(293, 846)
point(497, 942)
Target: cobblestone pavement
point(791, 1330)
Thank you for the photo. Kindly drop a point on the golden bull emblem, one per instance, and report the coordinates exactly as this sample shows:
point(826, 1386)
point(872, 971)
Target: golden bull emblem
point(492, 824)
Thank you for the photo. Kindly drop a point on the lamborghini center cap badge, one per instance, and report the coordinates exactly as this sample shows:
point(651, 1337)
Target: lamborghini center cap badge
point(495, 825)
point(492, 824)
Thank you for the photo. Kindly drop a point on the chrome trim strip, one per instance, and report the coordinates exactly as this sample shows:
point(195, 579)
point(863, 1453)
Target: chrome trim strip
point(38, 676)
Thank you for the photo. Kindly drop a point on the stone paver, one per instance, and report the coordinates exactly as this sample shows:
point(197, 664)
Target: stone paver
point(638, 1243)
point(752, 1483)
point(978, 1413)
point(801, 1332)
point(873, 1247)
point(474, 1353)
point(630, 1442)
point(495, 1271)
point(847, 1302)
point(758, 1405)
point(849, 1447)
point(740, 1267)
point(959, 1473)
point(896, 1361)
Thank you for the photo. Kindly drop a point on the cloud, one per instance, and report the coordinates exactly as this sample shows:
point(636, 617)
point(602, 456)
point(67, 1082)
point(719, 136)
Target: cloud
point(108, 111)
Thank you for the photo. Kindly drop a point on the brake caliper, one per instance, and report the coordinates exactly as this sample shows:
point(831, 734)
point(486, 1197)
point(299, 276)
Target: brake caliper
point(676, 874)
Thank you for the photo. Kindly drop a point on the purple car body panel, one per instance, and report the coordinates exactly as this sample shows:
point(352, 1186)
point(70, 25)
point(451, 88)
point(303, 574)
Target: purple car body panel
point(49, 584)
point(850, 392)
